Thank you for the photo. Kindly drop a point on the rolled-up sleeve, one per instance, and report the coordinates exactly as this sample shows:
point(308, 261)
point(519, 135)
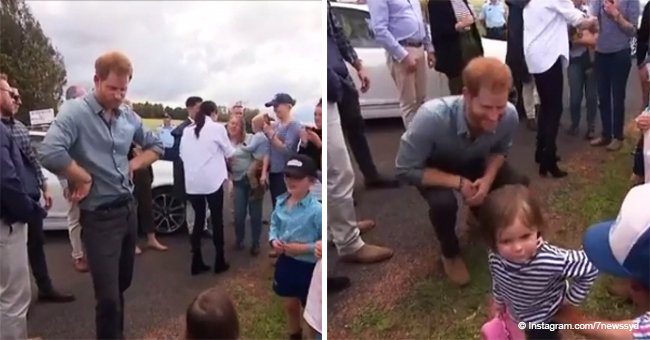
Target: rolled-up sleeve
point(54, 151)
point(415, 146)
point(146, 138)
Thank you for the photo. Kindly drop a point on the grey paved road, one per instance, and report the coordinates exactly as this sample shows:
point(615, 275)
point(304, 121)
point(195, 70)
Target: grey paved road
point(401, 214)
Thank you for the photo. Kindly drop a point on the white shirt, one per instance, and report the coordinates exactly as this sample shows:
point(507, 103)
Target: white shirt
point(313, 310)
point(546, 37)
point(204, 158)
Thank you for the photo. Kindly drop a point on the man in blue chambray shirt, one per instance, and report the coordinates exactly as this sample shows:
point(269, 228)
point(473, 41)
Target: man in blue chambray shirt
point(459, 144)
point(493, 16)
point(88, 144)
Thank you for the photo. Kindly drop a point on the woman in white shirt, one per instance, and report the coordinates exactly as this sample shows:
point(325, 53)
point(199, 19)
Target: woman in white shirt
point(204, 148)
point(546, 49)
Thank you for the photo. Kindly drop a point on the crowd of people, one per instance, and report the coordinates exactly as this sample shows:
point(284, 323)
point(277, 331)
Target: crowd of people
point(455, 148)
point(103, 154)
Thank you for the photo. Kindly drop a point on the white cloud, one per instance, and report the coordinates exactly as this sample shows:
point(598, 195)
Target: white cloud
point(220, 50)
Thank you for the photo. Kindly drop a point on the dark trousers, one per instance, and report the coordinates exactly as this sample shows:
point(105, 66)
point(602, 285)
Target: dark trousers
point(109, 239)
point(612, 71)
point(142, 180)
point(277, 186)
point(354, 130)
point(497, 33)
point(36, 253)
point(582, 83)
point(215, 203)
point(443, 206)
point(550, 88)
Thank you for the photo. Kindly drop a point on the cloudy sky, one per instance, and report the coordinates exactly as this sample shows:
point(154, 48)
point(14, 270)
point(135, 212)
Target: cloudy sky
point(220, 50)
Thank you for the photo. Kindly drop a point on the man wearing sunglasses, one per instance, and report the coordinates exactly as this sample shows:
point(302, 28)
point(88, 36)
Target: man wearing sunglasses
point(37, 188)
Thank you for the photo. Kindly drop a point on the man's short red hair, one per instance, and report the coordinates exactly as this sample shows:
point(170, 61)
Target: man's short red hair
point(115, 62)
point(488, 73)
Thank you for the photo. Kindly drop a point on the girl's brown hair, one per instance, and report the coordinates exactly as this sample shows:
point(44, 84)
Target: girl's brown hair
point(241, 137)
point(505, 205)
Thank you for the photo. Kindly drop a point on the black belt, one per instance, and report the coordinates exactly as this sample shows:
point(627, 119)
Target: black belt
point(411, 43)
point(115, 204)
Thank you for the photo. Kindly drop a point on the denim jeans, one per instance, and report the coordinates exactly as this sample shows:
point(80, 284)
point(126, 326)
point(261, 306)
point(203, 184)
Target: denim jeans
point(277, 186)
point(582, 83)
point(245, 205)
point(612, 71)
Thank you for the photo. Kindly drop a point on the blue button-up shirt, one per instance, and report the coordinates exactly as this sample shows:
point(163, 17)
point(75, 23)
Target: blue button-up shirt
point(439, 133)
point(81, 133)
point(611, 38)
point(301, 223)
point(494, 14)
point(289, 134)
point(165, 135)
point(395, 20)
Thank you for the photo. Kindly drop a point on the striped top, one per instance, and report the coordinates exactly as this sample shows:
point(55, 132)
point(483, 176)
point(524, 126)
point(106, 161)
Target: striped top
point(534, 291)
point(643, 329)
point(460, 9)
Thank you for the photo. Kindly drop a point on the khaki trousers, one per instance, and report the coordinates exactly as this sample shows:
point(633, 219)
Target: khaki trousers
point(15, 287)
point(411, 86)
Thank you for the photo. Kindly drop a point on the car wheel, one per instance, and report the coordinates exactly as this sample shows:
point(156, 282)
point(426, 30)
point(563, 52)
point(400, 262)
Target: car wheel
point(207, 229)
point(168, 211)
point(633, 47)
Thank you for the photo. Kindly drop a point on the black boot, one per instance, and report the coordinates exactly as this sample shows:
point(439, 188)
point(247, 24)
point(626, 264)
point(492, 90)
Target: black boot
point(198, 266)
point(220, 264)
point(549, 165)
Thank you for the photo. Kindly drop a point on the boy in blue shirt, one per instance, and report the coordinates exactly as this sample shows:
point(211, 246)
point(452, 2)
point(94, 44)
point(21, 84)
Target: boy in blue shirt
point(296, 225)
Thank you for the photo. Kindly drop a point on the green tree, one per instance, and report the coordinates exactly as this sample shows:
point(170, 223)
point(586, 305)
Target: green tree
point(29, 59)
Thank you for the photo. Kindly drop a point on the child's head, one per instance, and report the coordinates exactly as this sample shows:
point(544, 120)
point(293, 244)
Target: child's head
point(511, 222)
point(257, 123)
point(621, 247)
point(212, 315)
point(299, 174)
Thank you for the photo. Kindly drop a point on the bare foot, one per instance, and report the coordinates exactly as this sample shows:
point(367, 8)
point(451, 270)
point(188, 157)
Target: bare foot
point(138, 251)
point(81, 265)
point(155, 245)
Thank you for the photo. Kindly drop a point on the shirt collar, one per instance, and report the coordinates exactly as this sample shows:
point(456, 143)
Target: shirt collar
point(8, 120)
point(282, 199)
point(97, 108)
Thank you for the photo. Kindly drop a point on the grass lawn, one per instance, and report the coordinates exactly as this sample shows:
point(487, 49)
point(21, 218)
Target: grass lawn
point(432, 308)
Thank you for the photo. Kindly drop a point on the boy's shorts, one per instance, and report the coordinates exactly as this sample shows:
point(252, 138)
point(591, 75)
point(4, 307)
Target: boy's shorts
point(292, 278)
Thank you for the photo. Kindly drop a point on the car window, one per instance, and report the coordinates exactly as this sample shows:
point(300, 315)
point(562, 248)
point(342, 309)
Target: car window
point(356, 27)
point(36, 142)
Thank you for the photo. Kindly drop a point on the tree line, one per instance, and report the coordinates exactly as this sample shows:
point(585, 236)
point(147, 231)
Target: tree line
point(157, 111)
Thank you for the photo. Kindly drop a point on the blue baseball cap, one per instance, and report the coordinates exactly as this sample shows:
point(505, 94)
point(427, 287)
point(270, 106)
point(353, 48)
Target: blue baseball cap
point(281, 98)
point(622, 247)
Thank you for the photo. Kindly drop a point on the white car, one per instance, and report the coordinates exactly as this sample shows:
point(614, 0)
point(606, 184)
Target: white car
point(169, 212)
point(382, 100)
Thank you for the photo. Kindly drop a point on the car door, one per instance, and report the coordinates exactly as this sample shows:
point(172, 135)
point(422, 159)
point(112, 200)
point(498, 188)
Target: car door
point(57, 216)
point(382, 100)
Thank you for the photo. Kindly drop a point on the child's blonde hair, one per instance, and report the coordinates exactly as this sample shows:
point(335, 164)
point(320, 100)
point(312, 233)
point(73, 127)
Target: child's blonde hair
point(503, 206)
point(211, 315)
point(258, 122)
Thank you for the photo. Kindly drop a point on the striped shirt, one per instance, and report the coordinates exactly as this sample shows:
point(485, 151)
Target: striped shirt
point(534, 291)
point(460, 9)
point(643, 329)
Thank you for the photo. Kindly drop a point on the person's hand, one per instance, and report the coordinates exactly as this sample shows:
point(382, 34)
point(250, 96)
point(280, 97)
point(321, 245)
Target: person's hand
point(263, 178)
point(268, 130)
point(464, 23)
point(318, 249)
point(365, 80)
point(80, 190)
point(278, 246)
point(467, 190)
point(312, 136)
point(304, 135)
point(482, 187)
point(590, 24)
point(431, 59)
point(295, 248)
point(410, 63)
point(643, 122)
point(496, 309)
point(137, 150)
point(611, 8)
point(47, 199)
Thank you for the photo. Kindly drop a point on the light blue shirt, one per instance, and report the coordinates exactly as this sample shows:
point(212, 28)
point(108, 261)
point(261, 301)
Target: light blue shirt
point(494, 15)
point(395, 20)
point(611, 38)
point(81, 133)
point(165, 135)
point(241, 160)
point(301, 223)
point(439, 134)
point(258, 145)
point(289, 134)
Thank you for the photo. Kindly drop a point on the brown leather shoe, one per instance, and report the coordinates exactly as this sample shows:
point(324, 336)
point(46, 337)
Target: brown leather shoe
point(456, 270)
point(620, 288)
point(369, 254)
point(80, 265)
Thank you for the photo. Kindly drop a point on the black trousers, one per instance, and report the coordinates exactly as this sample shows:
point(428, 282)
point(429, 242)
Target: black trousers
point(215, 203)
point(354, 130)
point(109, 239)
point(142, 180)
point(443, 206)
point(36, 253)
point(550, 88)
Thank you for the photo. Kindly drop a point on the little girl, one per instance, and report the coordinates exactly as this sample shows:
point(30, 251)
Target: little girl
point(530, 278)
